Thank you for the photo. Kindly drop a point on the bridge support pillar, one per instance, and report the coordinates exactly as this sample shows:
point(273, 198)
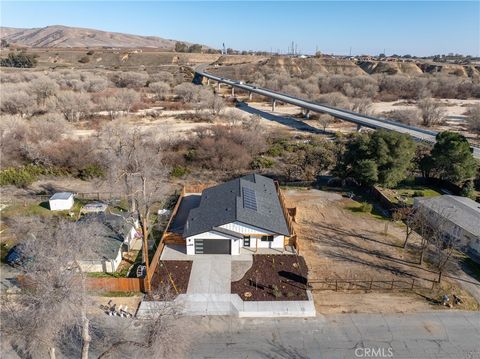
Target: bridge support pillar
point(218, 86)
point(306, 114)
point(250, 96)
point(233, 91)
point(208, 81)
point(359, 127)
point(274, 104)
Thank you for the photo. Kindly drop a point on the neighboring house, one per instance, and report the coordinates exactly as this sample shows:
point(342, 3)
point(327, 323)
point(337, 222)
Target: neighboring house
point(244, 212)
point(118, 235)
point(61, 201)
point(458, 216)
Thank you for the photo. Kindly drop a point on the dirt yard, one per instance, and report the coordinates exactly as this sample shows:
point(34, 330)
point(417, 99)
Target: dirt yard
point(338, 242)
point(172, 275)
point(273, 277)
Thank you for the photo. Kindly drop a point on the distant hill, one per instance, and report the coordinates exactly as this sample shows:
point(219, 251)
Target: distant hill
point(64, 36)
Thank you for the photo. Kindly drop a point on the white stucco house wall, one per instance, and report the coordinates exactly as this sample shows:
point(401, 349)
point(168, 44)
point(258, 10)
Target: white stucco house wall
point(61, 201)
point(459, 218)
point(242, 213)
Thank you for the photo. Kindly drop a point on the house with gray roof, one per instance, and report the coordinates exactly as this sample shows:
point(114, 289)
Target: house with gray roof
point(116, 234)
point(458, 216)
point(244, 212)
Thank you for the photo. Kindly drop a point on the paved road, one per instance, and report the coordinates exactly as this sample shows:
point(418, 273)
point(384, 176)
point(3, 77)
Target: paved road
point(439, 334)
point(359, 119)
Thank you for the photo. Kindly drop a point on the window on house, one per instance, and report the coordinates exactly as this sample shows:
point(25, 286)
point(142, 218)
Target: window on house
point(267, 238)
point(246, 241)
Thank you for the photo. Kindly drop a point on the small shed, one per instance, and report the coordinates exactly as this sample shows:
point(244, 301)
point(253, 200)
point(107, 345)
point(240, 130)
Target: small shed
point(61, 201)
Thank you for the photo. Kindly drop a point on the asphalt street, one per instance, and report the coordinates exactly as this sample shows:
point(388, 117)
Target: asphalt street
point(442, 334)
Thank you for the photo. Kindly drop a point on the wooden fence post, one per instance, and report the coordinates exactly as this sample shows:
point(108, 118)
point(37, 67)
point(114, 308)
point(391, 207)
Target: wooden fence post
point(336, 285)
point(393, 281)
point(371, 282)
point(413, 283)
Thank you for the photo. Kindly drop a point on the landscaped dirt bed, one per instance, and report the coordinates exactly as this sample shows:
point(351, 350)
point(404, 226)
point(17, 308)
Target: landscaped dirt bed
point(171, 278)
point(274, 277)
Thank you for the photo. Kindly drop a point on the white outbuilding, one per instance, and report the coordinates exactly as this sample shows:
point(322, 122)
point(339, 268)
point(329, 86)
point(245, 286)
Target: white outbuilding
point(61, 201)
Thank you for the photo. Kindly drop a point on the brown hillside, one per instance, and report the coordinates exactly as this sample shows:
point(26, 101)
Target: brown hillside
point(64, 36)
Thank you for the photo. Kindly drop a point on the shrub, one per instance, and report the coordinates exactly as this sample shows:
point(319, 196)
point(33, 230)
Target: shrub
point(84, 60)
point(23, 176)
point(21, 59)
point(276, 150)
point(276, 292)
point(366, 207)
point(418, 194)
point(262, 162)
point(91, 171)
point(179, 171)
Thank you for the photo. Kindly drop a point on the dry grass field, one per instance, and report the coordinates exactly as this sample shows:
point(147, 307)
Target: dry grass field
point(340, 242)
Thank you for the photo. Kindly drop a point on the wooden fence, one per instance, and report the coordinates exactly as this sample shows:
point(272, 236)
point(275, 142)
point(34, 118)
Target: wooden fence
point(101, 284)
point(286, 213)
point(116, 284)
point(368, 284)
point(161, 245)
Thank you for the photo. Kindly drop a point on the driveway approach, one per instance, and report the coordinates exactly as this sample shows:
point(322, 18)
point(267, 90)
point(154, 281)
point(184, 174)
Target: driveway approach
point(211, 274)
point(439, 334)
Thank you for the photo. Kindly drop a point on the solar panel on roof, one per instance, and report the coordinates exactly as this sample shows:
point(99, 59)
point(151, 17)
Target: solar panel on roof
point(249, 199)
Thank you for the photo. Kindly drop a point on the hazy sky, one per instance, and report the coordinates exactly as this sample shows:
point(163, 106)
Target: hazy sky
point(402, 27)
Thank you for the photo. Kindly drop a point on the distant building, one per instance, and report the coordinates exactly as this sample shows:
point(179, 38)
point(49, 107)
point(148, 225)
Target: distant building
point(460, 217)
point(61, 201)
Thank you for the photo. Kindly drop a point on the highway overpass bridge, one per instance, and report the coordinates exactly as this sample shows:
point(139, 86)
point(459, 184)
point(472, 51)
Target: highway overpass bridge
point(360, 120)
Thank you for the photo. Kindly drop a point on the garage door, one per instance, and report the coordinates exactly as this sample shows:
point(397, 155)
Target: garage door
point(212, 246)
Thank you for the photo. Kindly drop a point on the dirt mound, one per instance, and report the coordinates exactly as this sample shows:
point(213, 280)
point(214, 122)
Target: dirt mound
point(238, 59)
point(389, 68)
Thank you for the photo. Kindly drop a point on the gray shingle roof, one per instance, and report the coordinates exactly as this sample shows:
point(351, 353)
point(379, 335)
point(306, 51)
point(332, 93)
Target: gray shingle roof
point(225, 203)
point(110, 237)
point(462, 211)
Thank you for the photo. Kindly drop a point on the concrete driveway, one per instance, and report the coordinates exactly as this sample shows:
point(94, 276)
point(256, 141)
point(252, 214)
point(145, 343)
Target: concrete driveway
point(211, 274)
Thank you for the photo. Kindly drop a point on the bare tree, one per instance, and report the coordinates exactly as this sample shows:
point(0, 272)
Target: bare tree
point(430, 111)
point(54, 299)
point(160, 89)
point(15, 100)
point(73, 105)
point(162, 76)
point(135, 160)
point(160, 331)
point(130, 79)
point(442, 241)
point(188, 92)
point(407, 116)
point(325, 120)
point(118, 102)
point(361, 105)
point(43, 88)
point(473, 119)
